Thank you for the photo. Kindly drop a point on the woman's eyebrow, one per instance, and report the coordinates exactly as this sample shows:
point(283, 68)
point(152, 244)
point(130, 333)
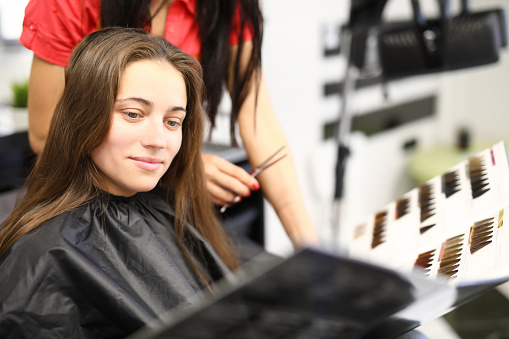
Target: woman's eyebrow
point(177, 108)
point(142, 101)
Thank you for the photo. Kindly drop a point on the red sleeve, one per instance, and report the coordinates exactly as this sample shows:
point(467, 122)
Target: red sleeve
point(247, 34)
point(52, 28)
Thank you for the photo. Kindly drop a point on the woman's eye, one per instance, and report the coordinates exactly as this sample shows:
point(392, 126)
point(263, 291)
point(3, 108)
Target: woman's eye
point(132, 115)
point(173, 124)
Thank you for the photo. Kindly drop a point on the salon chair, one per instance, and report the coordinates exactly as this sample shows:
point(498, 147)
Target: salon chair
point(16, 161)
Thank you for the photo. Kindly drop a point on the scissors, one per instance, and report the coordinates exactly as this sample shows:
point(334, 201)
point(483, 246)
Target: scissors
point(259, 169)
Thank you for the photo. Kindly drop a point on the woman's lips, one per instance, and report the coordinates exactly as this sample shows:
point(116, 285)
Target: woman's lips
point(147, 163)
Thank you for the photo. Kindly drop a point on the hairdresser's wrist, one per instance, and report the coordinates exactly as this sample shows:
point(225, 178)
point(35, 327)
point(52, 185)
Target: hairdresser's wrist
point(298, 225)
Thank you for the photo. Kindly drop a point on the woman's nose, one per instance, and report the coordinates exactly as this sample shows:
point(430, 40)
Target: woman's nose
point(154, 136)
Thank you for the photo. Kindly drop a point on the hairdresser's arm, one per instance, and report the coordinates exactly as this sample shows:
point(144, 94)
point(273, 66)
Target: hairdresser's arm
point(262, 134)
point(45, 86)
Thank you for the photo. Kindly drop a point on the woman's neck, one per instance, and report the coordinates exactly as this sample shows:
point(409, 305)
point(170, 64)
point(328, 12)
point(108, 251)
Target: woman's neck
point(159, 13)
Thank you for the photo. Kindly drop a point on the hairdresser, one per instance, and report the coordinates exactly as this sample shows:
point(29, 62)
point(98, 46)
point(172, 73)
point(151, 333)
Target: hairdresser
point(226, 37)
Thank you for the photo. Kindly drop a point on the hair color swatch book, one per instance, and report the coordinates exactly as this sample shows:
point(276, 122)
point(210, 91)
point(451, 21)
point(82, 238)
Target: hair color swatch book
point(311, 294)
point(451, 226)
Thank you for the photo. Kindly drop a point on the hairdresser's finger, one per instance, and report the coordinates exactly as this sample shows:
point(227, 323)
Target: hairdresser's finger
point(228, 175)
point(220, 184)
point(219, 195)
point(240, 174)
point(232, 184)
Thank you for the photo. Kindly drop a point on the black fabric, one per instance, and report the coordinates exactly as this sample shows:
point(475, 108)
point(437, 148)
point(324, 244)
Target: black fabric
point(103, 270)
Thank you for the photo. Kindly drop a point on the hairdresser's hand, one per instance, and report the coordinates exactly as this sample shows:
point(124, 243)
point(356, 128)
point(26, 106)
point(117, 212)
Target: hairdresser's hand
point(226, 180)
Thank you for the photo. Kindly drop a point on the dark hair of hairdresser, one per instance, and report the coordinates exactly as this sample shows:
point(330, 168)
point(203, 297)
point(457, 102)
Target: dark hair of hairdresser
point(65, 175)
point(214, 19)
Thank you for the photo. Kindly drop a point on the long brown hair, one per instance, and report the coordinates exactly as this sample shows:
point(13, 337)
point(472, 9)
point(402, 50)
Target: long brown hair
point(65, 175)
point(214, 19)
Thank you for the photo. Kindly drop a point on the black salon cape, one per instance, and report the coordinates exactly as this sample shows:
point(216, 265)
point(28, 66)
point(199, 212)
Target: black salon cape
point(99, 273)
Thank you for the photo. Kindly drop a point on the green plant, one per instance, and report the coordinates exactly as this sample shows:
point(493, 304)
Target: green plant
point(19, 94)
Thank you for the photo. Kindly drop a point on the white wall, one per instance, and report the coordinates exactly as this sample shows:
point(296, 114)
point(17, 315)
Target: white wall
point(295, 70)
point(14, 59)
point(478, 98)
point(15, 64)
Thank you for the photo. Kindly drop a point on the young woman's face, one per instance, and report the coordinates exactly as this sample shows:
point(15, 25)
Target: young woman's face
point(146, 128)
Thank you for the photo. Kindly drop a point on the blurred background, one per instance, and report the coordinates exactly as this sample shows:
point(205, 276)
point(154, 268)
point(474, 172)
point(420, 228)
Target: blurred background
point(403, 132)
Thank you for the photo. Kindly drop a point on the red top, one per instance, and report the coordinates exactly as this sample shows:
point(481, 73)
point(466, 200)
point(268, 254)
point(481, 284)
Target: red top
point(52, 28)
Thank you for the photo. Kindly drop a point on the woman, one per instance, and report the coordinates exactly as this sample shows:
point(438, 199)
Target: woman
point(93, 249)
point(226, 37)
